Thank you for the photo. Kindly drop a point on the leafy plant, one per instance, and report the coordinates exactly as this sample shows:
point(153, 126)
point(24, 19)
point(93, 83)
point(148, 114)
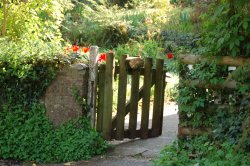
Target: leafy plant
point(228, 126)
point(146, 48)
point(33, 20)
point(204, 100)
point(28, 135)
point(228, 27)
point(201, 151)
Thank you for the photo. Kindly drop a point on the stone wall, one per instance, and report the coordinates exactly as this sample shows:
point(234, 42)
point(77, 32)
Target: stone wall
point(59, 100)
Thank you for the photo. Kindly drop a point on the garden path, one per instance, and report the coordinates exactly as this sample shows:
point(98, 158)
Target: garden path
point(139, 152)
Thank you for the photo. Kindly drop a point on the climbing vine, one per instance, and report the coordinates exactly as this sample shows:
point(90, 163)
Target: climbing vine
point(205, 101)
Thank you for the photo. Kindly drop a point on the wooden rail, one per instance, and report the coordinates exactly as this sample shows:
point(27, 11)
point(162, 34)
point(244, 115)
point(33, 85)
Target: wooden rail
point(220, 60)
point(228, 84)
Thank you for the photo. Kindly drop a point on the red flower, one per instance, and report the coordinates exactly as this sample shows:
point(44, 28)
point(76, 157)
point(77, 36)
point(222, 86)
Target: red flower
point(169, 55)
point(102, 57)
point(75, 48)
point(67, 48)
point(85, 49)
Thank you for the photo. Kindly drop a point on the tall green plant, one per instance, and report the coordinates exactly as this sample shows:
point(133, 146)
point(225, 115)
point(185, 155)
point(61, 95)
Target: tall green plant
point(227, 30)
point(33, 19)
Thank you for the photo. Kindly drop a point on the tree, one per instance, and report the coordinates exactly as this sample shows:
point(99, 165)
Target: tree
point(4, 20)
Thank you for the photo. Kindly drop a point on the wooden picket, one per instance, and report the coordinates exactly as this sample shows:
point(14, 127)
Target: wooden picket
point(121, 105)
point(113, 128)
point(158, 101)
point(146, 98)
point(108, 98)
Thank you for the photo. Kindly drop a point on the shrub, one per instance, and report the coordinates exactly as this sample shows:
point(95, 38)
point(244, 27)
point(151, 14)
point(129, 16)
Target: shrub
point(26, 69)
point(146, 48)
point(201, 151)
point(30, 54)
point(27, 134)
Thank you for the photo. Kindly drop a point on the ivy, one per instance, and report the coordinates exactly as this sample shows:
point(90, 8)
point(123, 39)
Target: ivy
point(28, 135)
point(200, 150)
point(203, 102)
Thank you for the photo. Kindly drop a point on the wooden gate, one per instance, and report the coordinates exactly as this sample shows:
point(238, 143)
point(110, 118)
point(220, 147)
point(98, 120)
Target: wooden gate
point(113, 127)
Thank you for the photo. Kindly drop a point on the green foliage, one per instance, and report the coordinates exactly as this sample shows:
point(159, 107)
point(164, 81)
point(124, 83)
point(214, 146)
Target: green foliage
point(179, 20)
point(80, 100)
point(228, 28)
point(241, 74)
point(182, 2)
point(201, 151)
point(95, 23)
point(28, 135)
point(35, 19)
point(228, 125)
point(129, 3)
point(146, 48)
point(205, 102)
point(26, 69)
point(31, 53)
point(98, 23)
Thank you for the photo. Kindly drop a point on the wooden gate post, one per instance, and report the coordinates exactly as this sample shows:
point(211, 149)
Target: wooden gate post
point(93, 67)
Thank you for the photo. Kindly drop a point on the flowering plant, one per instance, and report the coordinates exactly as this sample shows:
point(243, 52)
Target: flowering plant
point(170, 55)
point(102, 57)
point(81, 54)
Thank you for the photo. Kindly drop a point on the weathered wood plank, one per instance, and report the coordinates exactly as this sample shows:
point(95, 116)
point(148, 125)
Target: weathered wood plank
point(138, 134)
point(140, 97)
point(146, 97)
point(135, 62)
point(108, 98)
point(228, 84)
point(129, 70)
point(134, 103)
point(220, 60)
point(163, 97)
point(101, 84)
point(188, 131)
point(121, 105)
point(157, 107)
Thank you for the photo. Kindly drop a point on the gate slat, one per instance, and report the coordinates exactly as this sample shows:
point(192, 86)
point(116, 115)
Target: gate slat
point(108, 98)
point(158, 101)
point(134, 103)
point(121, 105)
point(163, 97)
point(146, 97)
point(140, 96)
point(101, 84)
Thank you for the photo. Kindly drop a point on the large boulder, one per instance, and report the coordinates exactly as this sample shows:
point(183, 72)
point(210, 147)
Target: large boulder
point(60, 97)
